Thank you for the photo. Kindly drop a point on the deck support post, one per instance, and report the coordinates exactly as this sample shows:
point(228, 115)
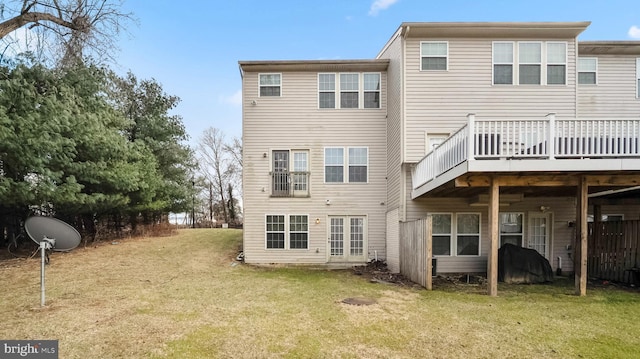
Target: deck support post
point(492, 262)
point(580, 261)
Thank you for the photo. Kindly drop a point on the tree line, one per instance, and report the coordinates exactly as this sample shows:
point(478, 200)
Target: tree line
point(96, 149)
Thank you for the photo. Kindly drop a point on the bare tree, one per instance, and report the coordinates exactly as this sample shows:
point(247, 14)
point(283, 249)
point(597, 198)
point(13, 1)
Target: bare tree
point(218, 165)
point(75, 25)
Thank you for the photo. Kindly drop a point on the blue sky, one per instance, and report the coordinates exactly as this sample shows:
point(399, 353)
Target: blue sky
point(193, 47)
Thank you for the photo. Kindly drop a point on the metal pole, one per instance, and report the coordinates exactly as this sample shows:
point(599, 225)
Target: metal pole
point(43, 245)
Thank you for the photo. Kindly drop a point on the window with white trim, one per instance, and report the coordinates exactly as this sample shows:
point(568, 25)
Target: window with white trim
point(556, 63)
point(503, 63)
point(587, 70)
point(529, 63)
point(293, 227)
point(433, 140)
point(441, 234)
point(371, 90)
point(349, 90)
point(434, 55)
point(275, 230)
point(327, 90)
point(270, 84)
point(468, 234)
point(350, 166)
point(457, 235)
point(511, 228)
point(353, 90)
point(607, 217)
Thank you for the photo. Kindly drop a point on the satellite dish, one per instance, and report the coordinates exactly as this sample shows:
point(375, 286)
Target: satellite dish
point(60, 235)
point(50, 233)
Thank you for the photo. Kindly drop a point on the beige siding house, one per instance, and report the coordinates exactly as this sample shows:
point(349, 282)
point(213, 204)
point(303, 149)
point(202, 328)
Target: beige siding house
point(501, 132)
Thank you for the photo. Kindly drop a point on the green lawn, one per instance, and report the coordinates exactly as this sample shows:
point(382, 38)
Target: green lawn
point(182, 297)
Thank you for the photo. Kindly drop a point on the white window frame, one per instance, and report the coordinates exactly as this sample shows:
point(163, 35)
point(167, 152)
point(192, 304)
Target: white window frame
point(456, 234)
point(287, 232)
point(342, 90)
point(582, 70)
point(522, 228)
point(494, 62)
point(333, 91)
point(260, 85)
point(553, 63)
point(338, 90)
point(605, 217)
point(544, 62)
point(539, 63)
point(446, 55)
point(346, 163)
point(453, 234)
point(266, 231)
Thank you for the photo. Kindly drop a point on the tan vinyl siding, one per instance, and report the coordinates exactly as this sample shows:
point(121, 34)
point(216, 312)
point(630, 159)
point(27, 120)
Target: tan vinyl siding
point(293, 121)
point(615, 92)
point(438, 101)
point(393, 241)
point(394, 122)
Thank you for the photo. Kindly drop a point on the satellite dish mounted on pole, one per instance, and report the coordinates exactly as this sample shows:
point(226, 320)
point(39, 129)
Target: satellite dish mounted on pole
point(50, 233)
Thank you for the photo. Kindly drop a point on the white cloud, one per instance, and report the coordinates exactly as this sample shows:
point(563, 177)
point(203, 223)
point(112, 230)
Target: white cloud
point(634, 32)
point(235, 99)
point(379, 5)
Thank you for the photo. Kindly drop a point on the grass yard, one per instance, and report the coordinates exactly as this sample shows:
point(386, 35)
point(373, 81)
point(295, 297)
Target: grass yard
point(181, 297)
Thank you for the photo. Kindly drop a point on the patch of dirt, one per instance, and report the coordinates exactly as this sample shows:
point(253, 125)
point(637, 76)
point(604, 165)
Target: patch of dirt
point(377, 272)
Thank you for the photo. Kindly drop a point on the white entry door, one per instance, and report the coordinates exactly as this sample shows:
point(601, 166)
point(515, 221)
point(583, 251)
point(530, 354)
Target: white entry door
point(347, 239)
point(540, 233)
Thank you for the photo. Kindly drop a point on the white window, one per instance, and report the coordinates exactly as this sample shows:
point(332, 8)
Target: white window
point(349, 90)
point(556, 63)
point(327, 90)
point(356, 160)
point(459, 234)
point(503, 63)
point(529, 63)
point(434, 55)
point(587, 70)
point(294, 227)
point(511, 228)
point(270, 85)
point(607, 217)
point(468, 234)
point(371, 90)
point(275, 230)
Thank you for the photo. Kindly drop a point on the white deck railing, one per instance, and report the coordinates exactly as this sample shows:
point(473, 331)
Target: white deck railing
point(547, 138)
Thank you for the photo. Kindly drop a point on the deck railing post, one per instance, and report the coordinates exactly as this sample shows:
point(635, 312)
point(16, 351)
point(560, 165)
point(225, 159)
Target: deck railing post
point(471, 124)
point(552, 135)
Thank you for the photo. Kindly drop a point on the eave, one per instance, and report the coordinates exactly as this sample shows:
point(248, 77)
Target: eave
point(609, 48)
point(314, 65)
point(494, 30)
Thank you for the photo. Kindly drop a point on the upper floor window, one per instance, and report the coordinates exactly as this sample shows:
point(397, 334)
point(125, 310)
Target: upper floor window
point(290, 173)
point(530, 63)
point(503, 63)
point(327, 90)
point(434, 55)
point(352, 90)
point(556, 63)
point(270, 84)
point(349, 90)
point(587, 70)
point(354, 168)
